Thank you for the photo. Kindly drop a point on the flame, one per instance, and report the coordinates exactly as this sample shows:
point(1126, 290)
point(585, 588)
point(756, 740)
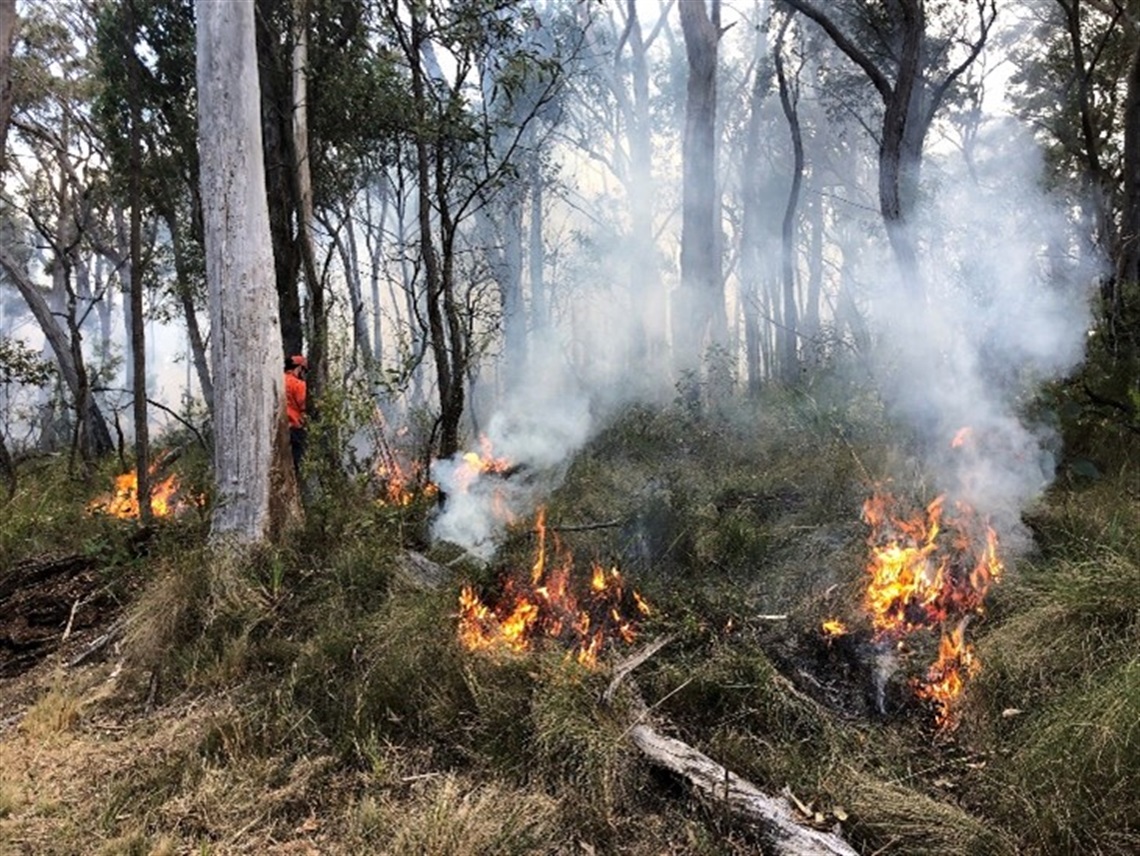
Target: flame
point(484, 461)
point(946, 678)
point(834, 628)
point(962, 437)
point(474, 465)
point(547, 607)
point(399, 488)
point(930, 570)
point(123, 500)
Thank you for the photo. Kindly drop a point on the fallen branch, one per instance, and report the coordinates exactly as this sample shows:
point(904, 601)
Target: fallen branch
point(421, 572)
point(97, 645)
point(773, 815)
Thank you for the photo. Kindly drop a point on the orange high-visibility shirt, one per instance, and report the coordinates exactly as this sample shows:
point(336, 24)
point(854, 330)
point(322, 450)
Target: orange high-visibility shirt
point(295, 391)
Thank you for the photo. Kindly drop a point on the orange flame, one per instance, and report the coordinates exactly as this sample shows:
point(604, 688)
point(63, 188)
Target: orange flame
point(834, 628)
point(123, 501)
point(547, 608)
point(961, 437)
point(399, 488)
point(933, 569)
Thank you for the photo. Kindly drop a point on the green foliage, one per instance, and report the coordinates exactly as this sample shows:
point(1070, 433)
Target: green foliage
point(20, 364)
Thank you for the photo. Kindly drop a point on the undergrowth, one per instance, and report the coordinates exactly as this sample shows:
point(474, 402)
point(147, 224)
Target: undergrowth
point(322, 693)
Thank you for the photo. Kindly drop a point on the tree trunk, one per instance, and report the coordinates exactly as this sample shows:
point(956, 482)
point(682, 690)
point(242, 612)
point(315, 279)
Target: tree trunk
point(698, 312)
point(789, 361)
point(253, 468)
point(276, 116)
point(445, 335)
point(7, 45)
point(303, 177)
point(189, 311)
point(1128, 254)
point(752, 256)
point(536, 249)
point(644, 267)
point(75, 380)
point(138, 323)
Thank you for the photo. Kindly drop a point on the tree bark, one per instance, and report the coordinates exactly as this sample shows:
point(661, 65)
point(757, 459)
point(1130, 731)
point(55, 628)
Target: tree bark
point(698, 313)
point(256, 488)
point(789, 361)
point(1128, 254)
point(8, 22)
point(138, 323)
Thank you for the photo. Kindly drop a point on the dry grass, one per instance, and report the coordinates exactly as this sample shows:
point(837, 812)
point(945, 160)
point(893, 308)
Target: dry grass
point(450, 815)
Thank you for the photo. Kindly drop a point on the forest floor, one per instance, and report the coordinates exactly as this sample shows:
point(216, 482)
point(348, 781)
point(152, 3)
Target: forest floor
point(154, 701)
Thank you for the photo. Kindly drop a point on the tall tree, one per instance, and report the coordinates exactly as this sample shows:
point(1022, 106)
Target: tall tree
point(699, 313)
point(910, 69)
point(789, 101)
point(256, 486)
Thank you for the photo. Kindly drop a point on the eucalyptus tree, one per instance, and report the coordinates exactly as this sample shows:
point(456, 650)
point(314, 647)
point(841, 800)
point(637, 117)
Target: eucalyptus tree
point(256, 486)
point(913, 56)
point(698, 310)
point(47, 186)
point(161, 88)
point(318, 60)
point(614, 120)
point(1078, 82)
point(521, 80)
point(459, 166)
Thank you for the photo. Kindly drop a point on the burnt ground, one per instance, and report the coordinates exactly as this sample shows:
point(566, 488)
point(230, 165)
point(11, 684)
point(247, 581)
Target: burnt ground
point(48, 604)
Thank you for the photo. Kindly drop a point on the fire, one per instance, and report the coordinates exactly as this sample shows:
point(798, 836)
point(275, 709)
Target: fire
point(483, 461)
point(932, 569)
point(962, 437)
point(123, 501)
point(399, 488)
point(547, 607)
point(833, 628)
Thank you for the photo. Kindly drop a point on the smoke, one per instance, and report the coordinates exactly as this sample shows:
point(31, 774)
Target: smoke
point(1006, 308)
point(533, 432)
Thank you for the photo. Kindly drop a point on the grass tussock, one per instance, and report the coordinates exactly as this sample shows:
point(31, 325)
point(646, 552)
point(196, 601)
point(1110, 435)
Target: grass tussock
point(451, 815)
point(906, 821)
point(56, 713)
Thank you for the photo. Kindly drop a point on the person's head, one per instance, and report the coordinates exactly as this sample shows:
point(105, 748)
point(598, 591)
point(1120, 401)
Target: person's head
point(296, 362)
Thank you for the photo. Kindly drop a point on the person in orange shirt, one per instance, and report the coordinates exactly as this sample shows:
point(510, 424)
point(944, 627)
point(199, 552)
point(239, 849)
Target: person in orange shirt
point(296, 367)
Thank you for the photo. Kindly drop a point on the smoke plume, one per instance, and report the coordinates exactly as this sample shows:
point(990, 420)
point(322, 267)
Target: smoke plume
point(1004, 308)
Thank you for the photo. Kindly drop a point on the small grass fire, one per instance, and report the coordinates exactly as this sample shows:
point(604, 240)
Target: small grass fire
point(929, 570)
point(123, 500)
point(545, 608)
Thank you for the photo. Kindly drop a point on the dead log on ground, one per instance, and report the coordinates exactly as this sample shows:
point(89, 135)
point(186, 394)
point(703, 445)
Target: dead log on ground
point(774, 816)
point(420, 572)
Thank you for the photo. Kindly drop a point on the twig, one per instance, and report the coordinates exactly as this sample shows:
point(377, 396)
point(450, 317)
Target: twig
point(585, 527)
point(95, 647)
point(70, 621)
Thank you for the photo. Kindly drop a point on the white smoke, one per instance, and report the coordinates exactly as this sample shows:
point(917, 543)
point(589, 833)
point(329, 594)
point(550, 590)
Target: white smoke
point(1006, 308)
point(535, 431)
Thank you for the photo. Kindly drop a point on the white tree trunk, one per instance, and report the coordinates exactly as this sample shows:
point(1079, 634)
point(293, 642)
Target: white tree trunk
point(254, 479)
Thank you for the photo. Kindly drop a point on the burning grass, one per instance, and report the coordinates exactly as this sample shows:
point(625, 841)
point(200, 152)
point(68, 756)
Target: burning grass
point(585, 617)
point(306, 701)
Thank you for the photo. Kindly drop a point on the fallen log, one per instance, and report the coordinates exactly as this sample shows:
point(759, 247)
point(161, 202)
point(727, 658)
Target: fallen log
point(774, 816)
point(420, 572)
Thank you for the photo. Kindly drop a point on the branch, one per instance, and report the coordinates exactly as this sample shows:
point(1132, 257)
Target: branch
point(774, 815)
point(846, 45)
